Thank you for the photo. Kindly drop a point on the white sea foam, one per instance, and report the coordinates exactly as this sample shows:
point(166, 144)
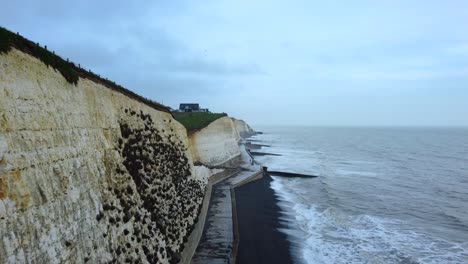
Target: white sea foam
point(383, 196)
point(332, 236)
point(355, 172)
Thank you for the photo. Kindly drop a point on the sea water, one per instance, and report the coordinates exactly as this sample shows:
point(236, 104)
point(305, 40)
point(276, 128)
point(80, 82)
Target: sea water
point(383, 195)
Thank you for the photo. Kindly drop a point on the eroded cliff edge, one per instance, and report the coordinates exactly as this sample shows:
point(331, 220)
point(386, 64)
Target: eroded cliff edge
point(218, 143)
point(88, 174)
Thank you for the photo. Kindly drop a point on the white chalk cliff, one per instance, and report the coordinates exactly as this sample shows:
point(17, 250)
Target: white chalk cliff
point(218, 143)
point(88, 174)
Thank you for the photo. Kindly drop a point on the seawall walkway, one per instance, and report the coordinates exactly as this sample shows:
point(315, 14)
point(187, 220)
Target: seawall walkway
point(218, 243)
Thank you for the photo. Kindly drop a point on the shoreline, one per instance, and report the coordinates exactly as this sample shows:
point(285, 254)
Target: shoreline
point(258, 218)
point(243, 220)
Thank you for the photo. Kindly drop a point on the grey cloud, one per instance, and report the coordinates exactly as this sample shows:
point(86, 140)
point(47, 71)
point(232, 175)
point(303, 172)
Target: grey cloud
point(233, 54)
point(168, 54)
point(195, 65)
point(94, 33)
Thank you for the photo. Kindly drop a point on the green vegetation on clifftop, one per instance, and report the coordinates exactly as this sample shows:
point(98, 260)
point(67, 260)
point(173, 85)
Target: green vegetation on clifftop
point(69, 70)
point(9, 39)
point(195, 120)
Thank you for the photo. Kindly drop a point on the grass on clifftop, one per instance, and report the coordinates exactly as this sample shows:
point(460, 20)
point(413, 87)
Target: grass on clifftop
point(196, 121)
point(69, 70)
point(9, 39)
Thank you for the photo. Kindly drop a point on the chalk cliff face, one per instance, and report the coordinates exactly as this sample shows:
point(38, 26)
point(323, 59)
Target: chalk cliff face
point(242, 127)
point(90, 175)
point(216, 144)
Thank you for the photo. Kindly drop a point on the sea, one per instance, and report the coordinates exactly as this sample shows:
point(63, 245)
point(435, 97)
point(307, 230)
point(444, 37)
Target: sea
point(382, 195)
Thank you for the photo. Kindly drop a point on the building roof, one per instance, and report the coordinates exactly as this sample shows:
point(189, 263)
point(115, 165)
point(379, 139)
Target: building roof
point(189, 106)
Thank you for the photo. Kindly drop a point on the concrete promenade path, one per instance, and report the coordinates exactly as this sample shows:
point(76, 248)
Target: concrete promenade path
point(216, 244)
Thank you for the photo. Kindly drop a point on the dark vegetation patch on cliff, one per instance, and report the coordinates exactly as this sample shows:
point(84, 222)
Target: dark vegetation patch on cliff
point(69, 70)
point(155, 193)
point(198, 120)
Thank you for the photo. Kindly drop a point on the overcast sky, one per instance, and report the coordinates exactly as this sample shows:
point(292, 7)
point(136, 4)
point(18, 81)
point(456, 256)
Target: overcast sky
point(397, 62)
